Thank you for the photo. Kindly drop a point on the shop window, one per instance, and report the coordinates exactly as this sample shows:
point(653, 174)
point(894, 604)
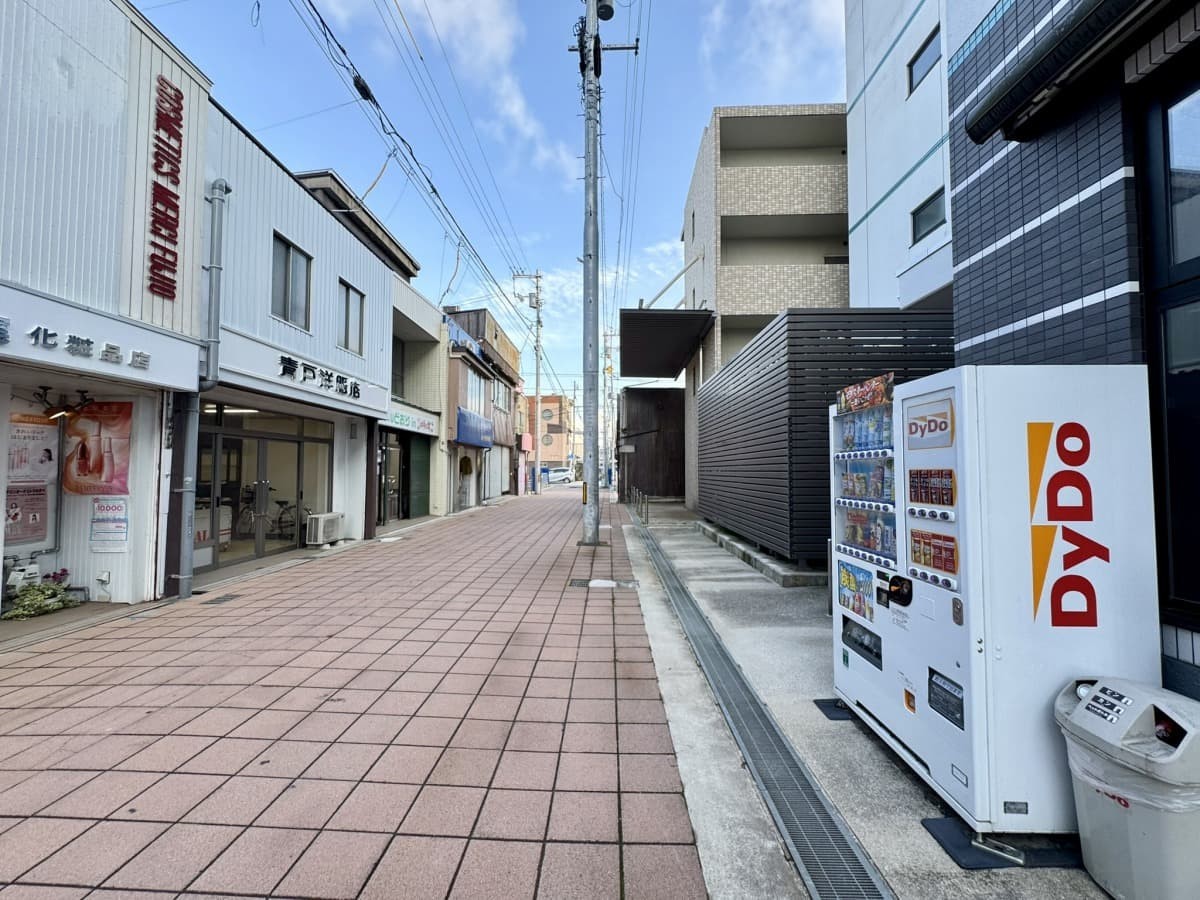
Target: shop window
point(314, 428)
point(397, 368)
point(316, 478)
point(291, 271)
point(352, 305)
point(1183, 150)
point(929, 216)
point(925, 59)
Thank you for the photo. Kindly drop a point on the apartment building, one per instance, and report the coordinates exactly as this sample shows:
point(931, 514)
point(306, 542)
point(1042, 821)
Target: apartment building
point(1074, 136)
point(898, 154)
point(561, 433)
point(764, 230)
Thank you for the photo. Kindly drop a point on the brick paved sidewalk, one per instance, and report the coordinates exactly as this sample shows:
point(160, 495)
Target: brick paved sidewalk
point(439, 716)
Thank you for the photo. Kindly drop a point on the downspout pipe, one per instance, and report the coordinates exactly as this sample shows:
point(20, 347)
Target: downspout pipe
point(188, 411)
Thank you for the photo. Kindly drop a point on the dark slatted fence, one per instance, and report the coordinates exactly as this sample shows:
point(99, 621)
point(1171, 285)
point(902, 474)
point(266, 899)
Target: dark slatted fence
point(651, 422)
point(763, 457)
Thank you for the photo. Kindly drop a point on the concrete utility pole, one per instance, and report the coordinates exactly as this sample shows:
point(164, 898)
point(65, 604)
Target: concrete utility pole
point(589, 49)
point(535, 301)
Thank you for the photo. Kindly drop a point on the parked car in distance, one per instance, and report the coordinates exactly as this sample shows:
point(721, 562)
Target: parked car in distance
point(559, 476)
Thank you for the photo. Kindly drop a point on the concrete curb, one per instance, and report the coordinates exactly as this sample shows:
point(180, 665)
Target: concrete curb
point(782, 573)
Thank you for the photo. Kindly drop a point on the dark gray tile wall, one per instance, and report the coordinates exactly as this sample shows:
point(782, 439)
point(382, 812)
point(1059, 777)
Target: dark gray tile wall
point(1089, 248)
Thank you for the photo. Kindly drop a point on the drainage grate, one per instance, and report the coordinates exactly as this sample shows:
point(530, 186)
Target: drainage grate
point(826, 853)
point(579, 582)
point(224, 598)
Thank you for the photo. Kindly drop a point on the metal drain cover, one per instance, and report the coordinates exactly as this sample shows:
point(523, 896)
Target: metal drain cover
point(224, 598)
point(579, 582)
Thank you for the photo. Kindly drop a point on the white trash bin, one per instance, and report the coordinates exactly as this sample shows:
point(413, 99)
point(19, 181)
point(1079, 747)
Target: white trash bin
point(1134, 753)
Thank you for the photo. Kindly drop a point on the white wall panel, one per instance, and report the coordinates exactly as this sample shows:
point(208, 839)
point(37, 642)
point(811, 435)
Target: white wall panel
point(266, 199)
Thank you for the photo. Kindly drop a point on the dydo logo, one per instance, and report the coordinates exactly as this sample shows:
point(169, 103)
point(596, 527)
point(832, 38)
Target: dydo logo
point(930, 425)
point(1060, 498)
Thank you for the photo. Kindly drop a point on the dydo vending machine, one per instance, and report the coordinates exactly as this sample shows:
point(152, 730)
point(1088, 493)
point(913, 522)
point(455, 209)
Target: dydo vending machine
point(993, 533)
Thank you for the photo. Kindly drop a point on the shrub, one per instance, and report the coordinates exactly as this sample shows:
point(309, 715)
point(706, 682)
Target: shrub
point(38, 599)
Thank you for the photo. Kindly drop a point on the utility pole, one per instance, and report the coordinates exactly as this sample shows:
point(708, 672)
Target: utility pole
point(589, 49)
point(535, 301)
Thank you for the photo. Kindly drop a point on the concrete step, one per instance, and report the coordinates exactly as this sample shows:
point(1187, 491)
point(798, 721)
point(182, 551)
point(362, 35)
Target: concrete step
point(784, 574)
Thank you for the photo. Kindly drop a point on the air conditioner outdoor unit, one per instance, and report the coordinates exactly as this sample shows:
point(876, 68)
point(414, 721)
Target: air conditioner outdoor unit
point(324, 528)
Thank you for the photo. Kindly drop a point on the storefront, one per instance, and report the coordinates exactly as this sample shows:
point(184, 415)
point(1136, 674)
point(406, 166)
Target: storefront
point(406, 457)
point(472, 443)
point(88, 456)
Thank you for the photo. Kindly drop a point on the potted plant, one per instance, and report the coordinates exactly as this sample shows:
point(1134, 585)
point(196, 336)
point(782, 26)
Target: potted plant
point(38, 599)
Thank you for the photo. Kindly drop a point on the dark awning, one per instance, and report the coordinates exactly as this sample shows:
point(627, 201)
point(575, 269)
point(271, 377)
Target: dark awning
point(657, 343)
point(1087, 32)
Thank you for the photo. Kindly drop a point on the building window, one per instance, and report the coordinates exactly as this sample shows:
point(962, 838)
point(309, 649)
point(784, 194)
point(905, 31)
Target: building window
point(924, 60)
point(1183, 152)
point(397, 368)
point(929, 216)
point(352, 305)
point(501, 395)
point(476, 391)
point(291, 270)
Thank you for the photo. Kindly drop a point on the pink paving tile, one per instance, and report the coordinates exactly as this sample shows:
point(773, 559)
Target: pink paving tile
point(256, 696)
point(636, 670)
point(663, 873)
point(100, 796)
point(306, 699)
point(580, 872)
point(466, 767)
point(641, 711)
point(166, 754)
point(404, 764)
point(637, 689)
point(650, 772)
point(176, 857)
point(370, 728)
point(427, 731)
point(472, 666)
point(543, 736)
point(461, 684)
point(415, 868)
point(255, 862)
point(418, 681)
point(239, 801)
point(592, 711)
point(329, 678)
point(373, 680)
point(374, 807)
point(481, 734)
point(268, 723)
point(321, 726)
point(583, 816)
point(453, 706)
point(655, 819)
point(494, 706)
point(40, 790)
point(593, 669)
point(592, 689)
point(285, 759)
point(441, 810)
point(581, 737)
point(225, 757)
point(305, 803)
point(345, 761)
point(95, 854)
point(32, 840)
point(335, 865)
point(168, 799)
point(38, 892)
point(215, 722)
point(587, 772)
point(506, 869)
point(558, 688)
point(526, 770)
point(554, 669)
point(542, 710)
point(514, 815)
point(505, 685)
point(644, 738)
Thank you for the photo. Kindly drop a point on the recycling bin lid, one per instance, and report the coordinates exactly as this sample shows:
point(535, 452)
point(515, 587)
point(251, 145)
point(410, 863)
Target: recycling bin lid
point(1143, 727)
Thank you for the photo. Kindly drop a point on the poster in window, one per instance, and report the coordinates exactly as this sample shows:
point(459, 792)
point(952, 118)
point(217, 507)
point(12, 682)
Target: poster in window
point(97, 450)
point(32, 472)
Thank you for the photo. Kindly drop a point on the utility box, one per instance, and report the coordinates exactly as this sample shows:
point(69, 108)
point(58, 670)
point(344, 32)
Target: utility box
point(1134, 755)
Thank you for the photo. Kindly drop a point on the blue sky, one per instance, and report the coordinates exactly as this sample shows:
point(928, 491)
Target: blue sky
point(490, 98)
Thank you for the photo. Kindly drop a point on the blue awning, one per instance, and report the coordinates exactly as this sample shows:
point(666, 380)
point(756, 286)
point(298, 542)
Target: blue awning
point(473, 429)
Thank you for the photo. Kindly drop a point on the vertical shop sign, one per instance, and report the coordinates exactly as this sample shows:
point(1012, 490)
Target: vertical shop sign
point(166, 163)
point(109, 530)
point(98, 442)
point(32, 470)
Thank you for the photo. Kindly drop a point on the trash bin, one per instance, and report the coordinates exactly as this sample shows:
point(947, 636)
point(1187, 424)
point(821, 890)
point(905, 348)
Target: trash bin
point(1134, 754)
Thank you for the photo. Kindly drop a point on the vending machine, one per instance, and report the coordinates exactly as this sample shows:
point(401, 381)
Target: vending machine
point(993, 534)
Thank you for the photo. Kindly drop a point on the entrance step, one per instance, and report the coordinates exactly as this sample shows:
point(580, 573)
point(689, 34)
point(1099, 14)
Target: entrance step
point(784, 574)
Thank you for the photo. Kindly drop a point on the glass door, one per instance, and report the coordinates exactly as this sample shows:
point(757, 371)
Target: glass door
point(239, 490)
point(279, 463)
point(259, 485)
point(393, 480)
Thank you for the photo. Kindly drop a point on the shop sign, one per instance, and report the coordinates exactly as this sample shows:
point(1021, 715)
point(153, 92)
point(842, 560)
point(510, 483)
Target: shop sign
point(872, 392)
point(410, 419)
point(473, 429)
point(45, 337)
point(318, 377)
point(166, 165)
point(109, 530)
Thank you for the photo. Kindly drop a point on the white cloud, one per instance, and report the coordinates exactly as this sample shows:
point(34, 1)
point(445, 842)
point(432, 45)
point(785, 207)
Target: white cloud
point(781, 50)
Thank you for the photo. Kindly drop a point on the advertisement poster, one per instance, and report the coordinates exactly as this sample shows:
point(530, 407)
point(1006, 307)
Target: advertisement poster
point(109, 531)
point(856, 589)
point(872, 392)
point(26, 513)
point(97, 448)
point(32, 470)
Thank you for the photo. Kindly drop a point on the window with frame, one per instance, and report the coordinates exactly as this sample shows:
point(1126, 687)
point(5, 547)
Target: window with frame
point(291, 277)
point(501, 395)
point(476, 391)
point(929, 216)
point(397, 368)
point(924, 60)
point(352, 305)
